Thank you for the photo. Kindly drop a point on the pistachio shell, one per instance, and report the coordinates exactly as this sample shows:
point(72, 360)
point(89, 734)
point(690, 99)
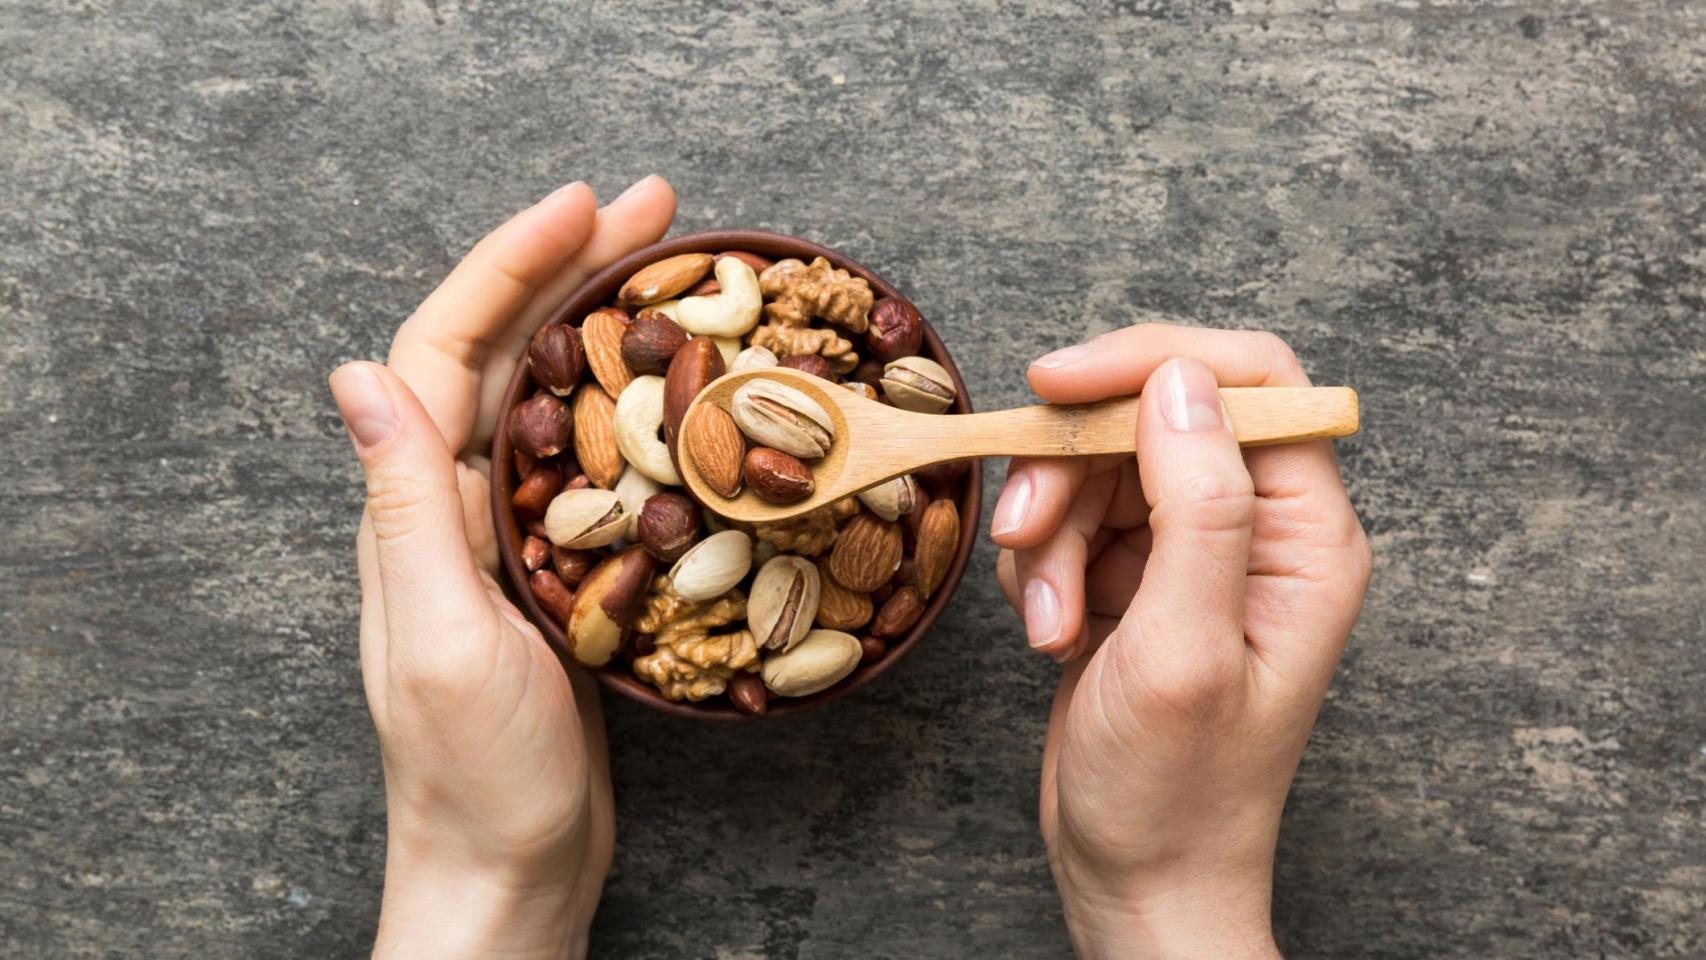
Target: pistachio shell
point(891, 499)
point(777, 415)
point(584, 518)
point(918, 384)
point(753, 358)
point(783, 602)
point(818, 662)
point(713, 566)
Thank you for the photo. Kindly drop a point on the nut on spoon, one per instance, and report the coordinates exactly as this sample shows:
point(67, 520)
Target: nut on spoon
point(874, 442)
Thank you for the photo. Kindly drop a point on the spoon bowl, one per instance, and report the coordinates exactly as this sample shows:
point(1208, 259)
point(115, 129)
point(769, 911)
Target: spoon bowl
point(875, 442)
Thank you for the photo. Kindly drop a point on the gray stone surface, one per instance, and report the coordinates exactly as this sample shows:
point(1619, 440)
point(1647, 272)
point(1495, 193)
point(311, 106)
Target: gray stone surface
point(1486, 216)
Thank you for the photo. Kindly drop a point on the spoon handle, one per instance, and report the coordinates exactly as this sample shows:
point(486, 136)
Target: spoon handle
point(1259, 415)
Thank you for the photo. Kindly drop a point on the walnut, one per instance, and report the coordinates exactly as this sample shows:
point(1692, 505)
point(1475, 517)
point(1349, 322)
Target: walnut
point(786, 341)
point(669, 618)
point(677, 679)
point(808, 534)
point(798, 293)
point(689, 662)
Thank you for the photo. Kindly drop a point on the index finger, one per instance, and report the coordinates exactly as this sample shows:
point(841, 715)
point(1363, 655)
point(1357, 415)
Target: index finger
point(440, 350)
point(1118, 364)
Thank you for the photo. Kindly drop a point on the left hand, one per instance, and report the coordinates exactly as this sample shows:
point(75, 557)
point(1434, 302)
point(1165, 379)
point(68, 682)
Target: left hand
point(500, 824)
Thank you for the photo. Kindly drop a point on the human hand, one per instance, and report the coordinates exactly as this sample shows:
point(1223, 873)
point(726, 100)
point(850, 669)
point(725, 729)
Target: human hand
point(499, 816)
point(1202, 595)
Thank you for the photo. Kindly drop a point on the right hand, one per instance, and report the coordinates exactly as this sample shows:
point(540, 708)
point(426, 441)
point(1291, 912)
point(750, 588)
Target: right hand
point(1202, 595)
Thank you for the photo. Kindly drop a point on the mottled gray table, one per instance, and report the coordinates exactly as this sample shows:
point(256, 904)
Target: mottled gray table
point(1486, 216)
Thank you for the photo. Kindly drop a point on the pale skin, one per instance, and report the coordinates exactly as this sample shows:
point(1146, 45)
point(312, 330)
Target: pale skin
point(1202, 609)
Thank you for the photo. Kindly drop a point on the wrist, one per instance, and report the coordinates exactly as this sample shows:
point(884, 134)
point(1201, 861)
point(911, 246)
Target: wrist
point(440, 906)
point(1182, 912)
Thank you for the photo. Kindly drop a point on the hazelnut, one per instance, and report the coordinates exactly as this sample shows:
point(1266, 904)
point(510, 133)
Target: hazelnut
point(668, 525)
point(555, 358)
point(651, 341)
point(540, 425)
point(777, 477)
point(896, 329)
point(807, 363)
point(868, 371)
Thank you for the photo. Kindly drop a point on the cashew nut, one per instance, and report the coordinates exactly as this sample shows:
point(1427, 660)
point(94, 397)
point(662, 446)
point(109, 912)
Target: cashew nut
point(639, 417)
point(731, 312)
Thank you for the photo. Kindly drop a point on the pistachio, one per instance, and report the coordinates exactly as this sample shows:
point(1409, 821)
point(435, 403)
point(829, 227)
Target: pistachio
point(918, 384)
point(783, 602)
point(713, 566)
point(633, 490)
point(588, 517)
point(817, 662)
point(639, 418)
point(777, 415)
point(753, 358)
point(891, 499)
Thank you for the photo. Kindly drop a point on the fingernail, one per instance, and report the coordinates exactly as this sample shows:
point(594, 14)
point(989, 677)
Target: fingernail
point(560, 192)
point(1015, 502)
point(1063, 358)
point(365, 404)
point(1042, 613)
point(637, 185)
point(1190, 397)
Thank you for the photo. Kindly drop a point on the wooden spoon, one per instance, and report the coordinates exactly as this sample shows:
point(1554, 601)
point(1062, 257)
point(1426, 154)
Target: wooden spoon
point(876, 442)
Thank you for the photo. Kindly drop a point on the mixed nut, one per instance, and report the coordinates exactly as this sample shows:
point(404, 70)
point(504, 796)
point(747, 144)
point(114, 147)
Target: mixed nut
point(642, 576)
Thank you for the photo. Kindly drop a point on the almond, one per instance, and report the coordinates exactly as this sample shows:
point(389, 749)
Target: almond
point(938, 541)
point(866, 553)
point(601, 339)
point(664, 279)
point(595, 436)
point(716, 446)
point(839, 608)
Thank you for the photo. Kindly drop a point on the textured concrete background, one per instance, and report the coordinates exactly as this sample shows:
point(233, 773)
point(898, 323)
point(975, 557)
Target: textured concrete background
point(1486, 216)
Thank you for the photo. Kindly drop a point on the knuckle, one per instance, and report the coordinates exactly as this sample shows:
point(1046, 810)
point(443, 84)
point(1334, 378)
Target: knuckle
point(1195, 686)
point(398, 505)
point(1281, 358)
point(1217, 501)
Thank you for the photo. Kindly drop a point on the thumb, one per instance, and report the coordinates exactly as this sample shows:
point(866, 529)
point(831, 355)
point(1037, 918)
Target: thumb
point(1189, 609)
point(414, 508)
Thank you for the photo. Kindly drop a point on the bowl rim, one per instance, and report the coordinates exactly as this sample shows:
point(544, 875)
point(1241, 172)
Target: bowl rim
point(595, 292)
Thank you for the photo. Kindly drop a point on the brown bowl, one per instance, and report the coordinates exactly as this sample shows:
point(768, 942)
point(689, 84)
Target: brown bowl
point(597, 292)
